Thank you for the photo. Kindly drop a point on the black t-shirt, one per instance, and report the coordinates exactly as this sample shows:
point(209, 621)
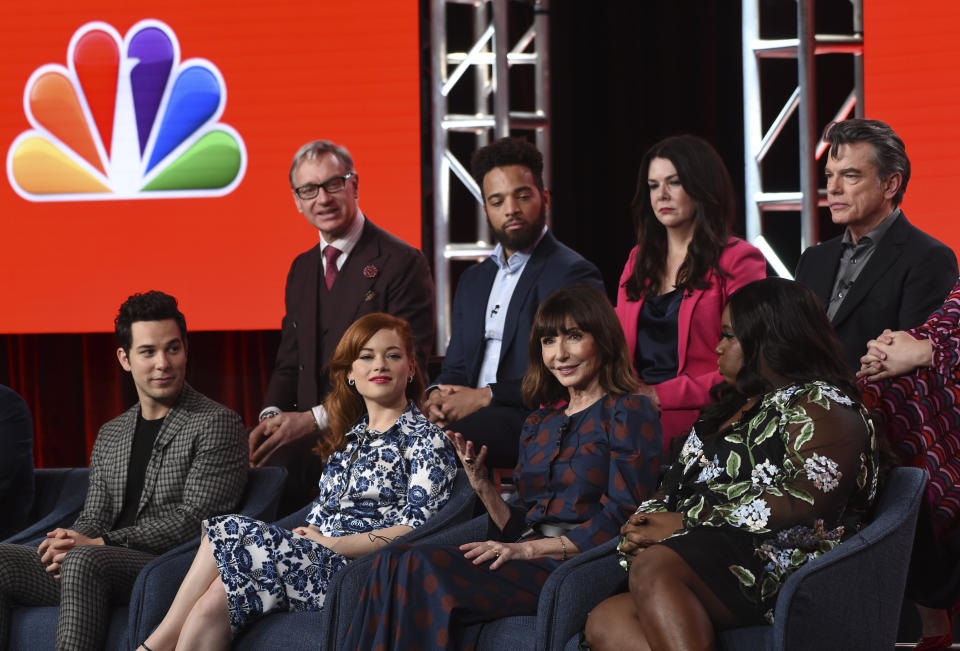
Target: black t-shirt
point(144, 437)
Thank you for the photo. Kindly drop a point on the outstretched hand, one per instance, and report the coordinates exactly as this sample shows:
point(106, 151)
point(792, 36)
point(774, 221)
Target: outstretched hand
point(474, 463)
point(496, 551)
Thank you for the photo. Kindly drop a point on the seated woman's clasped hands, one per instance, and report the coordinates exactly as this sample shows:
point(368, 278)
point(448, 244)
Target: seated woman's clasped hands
point(644, 529)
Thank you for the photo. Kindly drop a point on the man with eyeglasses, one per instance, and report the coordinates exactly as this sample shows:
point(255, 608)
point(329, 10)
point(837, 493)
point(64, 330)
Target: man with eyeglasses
point(354, 270)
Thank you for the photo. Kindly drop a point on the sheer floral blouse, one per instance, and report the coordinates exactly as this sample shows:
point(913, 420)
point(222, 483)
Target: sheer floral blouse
point(785, 483)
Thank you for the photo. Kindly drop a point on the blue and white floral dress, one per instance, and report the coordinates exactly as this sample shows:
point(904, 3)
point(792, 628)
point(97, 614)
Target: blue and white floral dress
point(401, 476)
point(785, 483)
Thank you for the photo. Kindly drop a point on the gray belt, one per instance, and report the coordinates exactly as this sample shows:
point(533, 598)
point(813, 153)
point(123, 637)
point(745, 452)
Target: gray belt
point(550, 529)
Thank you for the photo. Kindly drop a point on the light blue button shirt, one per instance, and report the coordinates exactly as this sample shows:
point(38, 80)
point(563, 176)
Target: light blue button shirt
point(505, 282)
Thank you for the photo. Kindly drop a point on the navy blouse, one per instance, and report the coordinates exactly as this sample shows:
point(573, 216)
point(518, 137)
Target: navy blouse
point(657, 359)
point(591, 468)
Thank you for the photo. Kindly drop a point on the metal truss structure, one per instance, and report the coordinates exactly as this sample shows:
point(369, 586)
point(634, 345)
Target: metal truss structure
point(475, 74)
point(757, 143)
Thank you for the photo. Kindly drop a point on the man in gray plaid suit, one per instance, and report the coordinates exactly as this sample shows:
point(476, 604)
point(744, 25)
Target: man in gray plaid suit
point(157, 470)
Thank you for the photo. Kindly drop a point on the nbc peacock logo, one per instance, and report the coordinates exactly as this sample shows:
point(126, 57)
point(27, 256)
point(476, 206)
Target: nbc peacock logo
point(126, 119)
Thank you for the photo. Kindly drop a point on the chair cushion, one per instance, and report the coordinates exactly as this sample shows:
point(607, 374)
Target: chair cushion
point(520, 630)
point(36, 628)
point(282, 632)
point(748, 638)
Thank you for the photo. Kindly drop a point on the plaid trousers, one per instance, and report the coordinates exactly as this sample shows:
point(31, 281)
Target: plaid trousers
point(92, 578)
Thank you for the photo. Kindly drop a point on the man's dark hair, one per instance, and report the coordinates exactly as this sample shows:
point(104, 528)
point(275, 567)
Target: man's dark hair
point(149, 306)
point(508, 151)
point(889, 152)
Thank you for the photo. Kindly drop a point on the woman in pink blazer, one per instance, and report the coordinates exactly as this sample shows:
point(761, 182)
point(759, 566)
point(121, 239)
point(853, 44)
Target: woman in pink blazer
point(679, 276)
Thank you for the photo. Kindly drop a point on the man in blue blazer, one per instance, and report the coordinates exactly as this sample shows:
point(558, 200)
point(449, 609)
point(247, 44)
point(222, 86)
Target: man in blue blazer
point(882, 272)
point(478, 390)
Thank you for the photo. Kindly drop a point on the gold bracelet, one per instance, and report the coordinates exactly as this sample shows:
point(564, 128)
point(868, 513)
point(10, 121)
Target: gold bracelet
point(563, 545)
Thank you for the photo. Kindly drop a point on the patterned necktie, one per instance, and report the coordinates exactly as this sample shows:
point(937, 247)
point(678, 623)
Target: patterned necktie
point(331, 253)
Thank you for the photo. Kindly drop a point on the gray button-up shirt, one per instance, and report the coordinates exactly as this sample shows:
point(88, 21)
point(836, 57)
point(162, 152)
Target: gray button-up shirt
point(853, 258)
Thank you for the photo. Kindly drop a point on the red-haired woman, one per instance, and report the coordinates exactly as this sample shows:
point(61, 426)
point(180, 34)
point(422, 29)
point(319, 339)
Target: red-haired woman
point(388, 469)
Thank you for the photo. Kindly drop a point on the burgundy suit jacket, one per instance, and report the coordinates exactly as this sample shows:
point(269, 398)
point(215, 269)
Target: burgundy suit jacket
point(698, 325)
point(381, 274)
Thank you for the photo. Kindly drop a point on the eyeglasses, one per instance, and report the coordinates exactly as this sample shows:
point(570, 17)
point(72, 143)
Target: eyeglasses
point(330, 186)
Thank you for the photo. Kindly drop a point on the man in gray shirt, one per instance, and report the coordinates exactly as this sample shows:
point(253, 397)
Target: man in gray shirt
point(882, 272)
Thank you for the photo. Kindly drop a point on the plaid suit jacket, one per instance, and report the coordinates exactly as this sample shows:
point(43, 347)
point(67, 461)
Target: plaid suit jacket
point(198, 468)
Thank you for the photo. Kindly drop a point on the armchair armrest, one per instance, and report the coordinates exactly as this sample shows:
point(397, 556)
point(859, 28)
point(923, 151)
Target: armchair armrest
point(63, 488)
point(573, 590)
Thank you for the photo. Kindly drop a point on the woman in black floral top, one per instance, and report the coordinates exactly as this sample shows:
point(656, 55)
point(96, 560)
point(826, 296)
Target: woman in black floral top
point(776, 472)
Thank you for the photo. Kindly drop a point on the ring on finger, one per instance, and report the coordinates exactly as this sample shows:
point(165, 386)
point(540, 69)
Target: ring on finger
point(468, 461)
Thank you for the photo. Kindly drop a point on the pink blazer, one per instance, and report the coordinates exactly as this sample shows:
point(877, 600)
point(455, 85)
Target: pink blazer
point(698, 325)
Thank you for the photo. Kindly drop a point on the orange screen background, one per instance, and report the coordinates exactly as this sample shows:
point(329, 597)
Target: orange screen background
point(294, 72)
point(912, 83)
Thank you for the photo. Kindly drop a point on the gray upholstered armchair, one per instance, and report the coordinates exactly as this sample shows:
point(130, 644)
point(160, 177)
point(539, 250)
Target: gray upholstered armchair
point(36, 627)
point(284, 631)
point(849, 598)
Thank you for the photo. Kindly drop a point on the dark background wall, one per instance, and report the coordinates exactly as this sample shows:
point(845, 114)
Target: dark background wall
point(627, 74)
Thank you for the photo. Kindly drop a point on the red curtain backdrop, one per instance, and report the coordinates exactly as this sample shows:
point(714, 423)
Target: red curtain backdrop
point(73, 383)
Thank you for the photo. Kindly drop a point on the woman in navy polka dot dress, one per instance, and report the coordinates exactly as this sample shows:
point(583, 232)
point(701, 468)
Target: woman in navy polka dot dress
point(586, 460)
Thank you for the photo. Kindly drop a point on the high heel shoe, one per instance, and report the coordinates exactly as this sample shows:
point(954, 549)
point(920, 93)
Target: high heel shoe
point(935, 642)
point(938, 642)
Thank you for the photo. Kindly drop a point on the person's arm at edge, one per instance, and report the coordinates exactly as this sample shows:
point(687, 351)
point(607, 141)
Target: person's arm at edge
point(454, 368)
